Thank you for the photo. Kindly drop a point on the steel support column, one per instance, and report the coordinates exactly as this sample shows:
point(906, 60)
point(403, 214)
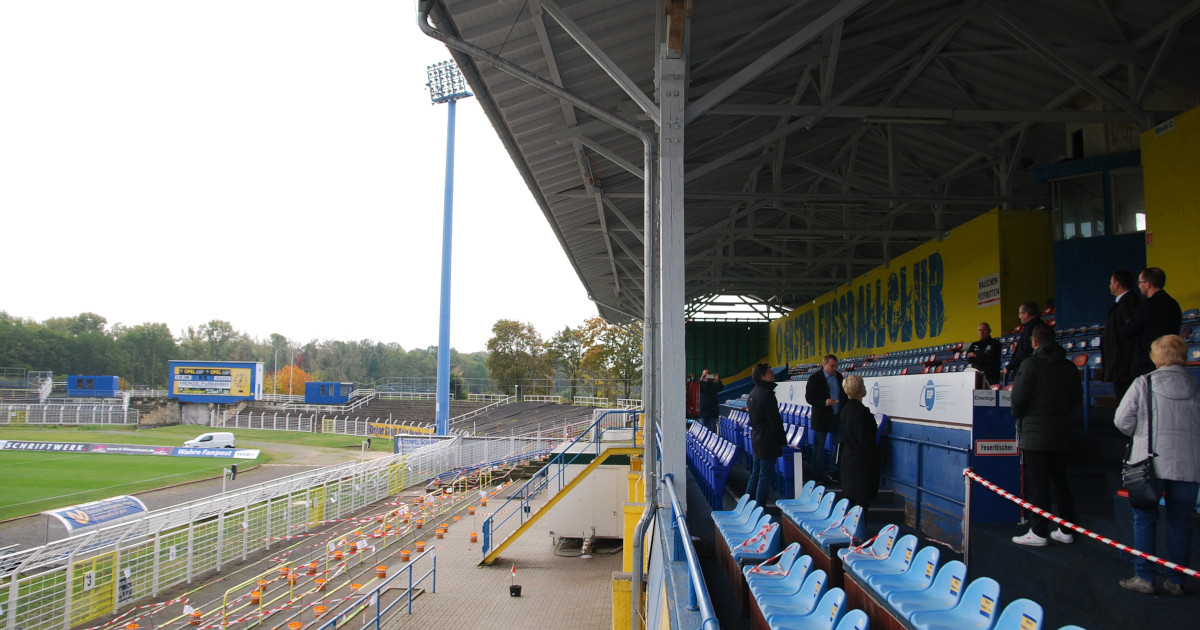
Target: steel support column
point(672, 98)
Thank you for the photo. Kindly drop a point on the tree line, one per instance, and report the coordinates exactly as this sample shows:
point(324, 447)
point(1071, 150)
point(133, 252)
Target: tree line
point(86, 344)
point(607, 357)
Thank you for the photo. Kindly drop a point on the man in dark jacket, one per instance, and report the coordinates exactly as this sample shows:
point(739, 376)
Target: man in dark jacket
point(1156, 316)
point(825, 395)
point(1117, 352)
point(984, 355)
point(1028, 313)
point(710, 386)
point(766, 432)
point(1046, 390)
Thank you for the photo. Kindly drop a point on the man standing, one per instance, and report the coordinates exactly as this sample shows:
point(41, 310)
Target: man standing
point(1047, 388)
point(710, 386)
point(1116, 352)
point(984, 355)
point(1024, 348)
point(767, 435)
point(1156, 316)
point(825, 395)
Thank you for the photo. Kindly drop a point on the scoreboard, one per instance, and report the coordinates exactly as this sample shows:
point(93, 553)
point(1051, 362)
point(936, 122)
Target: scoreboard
point(215, 381)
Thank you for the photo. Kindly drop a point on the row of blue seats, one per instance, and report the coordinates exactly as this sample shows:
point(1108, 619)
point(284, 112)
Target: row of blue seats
point(709, 456)
point(752, 537)
point(788, 594)
point(895, 582)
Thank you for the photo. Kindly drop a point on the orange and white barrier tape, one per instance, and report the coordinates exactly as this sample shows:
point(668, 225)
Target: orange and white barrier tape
point(1108, 541)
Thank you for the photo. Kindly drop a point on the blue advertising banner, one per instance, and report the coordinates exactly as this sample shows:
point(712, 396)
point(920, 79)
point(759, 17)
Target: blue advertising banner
point(127, 449)
point(112, 509)
point(215, 453)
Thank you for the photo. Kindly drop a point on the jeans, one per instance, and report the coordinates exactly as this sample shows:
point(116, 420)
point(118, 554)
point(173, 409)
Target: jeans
point(759, 485)
point(1046, 471)
point(709, 422)
point(823, 462)
point(1181, 502)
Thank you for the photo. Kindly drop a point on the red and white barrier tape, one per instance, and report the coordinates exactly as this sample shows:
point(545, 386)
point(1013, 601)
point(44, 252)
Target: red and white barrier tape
point(1108, 541)
point(869, 543)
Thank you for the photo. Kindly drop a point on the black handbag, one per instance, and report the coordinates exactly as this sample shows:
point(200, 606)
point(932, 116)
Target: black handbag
point(1139, 478)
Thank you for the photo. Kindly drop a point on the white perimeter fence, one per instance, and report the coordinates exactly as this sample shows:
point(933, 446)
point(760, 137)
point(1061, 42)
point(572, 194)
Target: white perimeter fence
point(15, 415)
point(94, 573)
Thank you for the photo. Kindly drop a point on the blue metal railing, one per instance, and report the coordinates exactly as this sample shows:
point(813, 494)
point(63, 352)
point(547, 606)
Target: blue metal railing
point(543, 477)
point(374, 595)
point(698, 598)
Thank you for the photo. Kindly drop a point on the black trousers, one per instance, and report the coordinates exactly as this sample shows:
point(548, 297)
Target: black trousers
point(1046, 476)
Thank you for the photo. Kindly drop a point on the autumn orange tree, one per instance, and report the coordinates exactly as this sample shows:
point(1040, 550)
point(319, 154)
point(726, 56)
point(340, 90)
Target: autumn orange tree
point(288, 380)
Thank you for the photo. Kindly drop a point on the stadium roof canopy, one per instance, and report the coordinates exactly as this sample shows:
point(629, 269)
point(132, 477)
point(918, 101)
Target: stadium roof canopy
point(821, 138)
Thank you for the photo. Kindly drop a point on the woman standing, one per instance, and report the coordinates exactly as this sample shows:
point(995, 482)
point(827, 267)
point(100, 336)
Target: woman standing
point(861, 456)
point(1168, 399)
point(766, 432)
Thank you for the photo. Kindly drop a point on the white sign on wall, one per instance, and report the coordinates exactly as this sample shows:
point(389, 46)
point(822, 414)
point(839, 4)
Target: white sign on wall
point(988, 290)
point(943, 397)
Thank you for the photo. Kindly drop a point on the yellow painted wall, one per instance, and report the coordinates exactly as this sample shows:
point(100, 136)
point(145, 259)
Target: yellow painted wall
point(928, 296)
point(1170, 163)
point(1027, 264)
point(622, 600)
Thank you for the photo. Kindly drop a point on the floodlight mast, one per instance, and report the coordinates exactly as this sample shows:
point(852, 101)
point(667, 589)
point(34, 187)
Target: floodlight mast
point(446, 85)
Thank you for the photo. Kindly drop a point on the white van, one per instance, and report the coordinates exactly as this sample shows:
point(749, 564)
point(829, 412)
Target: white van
point(211, 440)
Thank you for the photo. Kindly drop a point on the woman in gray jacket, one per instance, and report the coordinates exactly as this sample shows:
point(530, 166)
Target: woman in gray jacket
point(1176, 422)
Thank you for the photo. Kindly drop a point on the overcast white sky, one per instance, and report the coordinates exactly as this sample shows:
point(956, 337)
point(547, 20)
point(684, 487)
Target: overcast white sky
point(273, 163)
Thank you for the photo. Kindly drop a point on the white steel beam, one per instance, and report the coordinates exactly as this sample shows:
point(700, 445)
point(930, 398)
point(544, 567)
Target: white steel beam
point(601, 58)
point(756, 68)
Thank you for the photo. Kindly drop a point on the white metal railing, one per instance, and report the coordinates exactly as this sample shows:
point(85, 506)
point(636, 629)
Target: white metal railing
point(408, 395)
point(592, 401)
point(282, 398)
point(486, 397)
point(141, 558)
point(482, 410)
point(149, 393)
point(13, 415)
point(629, 403)
point(44, 389)
point(544, 399)
point(358, 400)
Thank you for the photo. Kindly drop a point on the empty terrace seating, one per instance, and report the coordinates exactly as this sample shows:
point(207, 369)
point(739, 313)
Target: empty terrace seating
point(709, 457)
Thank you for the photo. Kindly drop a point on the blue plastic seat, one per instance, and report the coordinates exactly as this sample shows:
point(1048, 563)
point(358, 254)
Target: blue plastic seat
point(850, 529)
point(808, 500)
point(975, 610)
point(799, 603)
point(880, 547)
point(768, 572)
point(788, 586)
point(919, 575)
point(735, 513)
point(764, 544)
point(854, 620)
point(943, 594)
point(732, 526)
point(896, 563)
point(1020, 614)
point(735, 536)
point(817, 523)
point(824, 617)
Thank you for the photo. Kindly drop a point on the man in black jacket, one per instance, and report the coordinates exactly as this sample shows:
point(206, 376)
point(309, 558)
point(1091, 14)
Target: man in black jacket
point(984, 355)
point(825, 395)
point(710, 386)
point(766, 432)
point(1156, 316)
point(1046, 390)
point(1117, 352)
point(1029, 318)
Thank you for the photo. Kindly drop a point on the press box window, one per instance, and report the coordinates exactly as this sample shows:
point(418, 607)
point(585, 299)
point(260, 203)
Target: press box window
point(1078, 206)
point(1128, 200)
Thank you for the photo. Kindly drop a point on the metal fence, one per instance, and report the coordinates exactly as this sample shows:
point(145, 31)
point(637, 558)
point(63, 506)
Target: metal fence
point(74, 580)
point(16, 415)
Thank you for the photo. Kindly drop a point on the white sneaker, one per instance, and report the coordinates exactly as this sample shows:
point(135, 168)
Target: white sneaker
point(1062, 537)
point(1031, 539)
